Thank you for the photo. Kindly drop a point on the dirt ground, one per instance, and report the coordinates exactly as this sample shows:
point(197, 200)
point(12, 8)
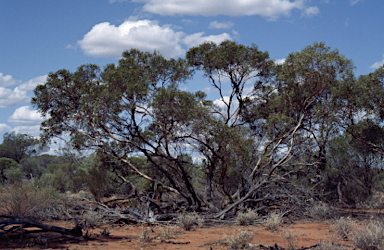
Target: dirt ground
point(207, 237)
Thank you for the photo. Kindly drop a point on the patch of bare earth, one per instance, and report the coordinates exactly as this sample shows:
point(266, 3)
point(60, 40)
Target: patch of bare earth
point(128, 237)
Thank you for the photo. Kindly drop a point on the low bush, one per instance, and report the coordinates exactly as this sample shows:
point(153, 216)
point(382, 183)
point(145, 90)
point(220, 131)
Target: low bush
point(343, 227)
point(291, 239)
point(188, 220)
point(246, 218)
point(165, 233)
point(321, 211)
point(370, 238)
point(373, 202)
point(24, 200)
point(273, 221)
point(145, 236)
point(240, 240)
point(92, 218)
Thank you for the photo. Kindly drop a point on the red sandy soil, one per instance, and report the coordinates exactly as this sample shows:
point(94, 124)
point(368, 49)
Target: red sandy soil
point(205, 238)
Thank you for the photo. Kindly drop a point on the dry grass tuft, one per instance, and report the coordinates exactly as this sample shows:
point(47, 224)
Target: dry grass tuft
point(321, 211)
point(247, 218)
point(188, 220)
point(371, 238)
point(344, 227)
point(92, 218)
point(240, 240)
point(290, 238)
point(145, 236)
point(273, 222)
point(166, 233)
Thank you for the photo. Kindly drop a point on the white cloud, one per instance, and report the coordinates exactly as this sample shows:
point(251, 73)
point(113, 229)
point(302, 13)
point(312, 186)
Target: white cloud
point(311, 11)
point(24, 116)
point(4, 128)
point(198, 38)
point(279, 61)
point(31, 130)
point(107, 40)
point(7, 80)
point(31, 84)
point(270, 9)
point(220, 25)
point(220, 103)
point(9, 98)
point(377, 65)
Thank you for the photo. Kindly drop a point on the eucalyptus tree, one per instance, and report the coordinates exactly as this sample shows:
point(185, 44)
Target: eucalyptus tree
point(313, 93)
point(370, 104)
point(354, 169)
point(17, 146)
point(229, 67)
point(296, 112)
point(130, 109)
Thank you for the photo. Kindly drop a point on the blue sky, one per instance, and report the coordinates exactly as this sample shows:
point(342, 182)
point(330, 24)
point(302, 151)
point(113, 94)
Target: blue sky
point(42, 36)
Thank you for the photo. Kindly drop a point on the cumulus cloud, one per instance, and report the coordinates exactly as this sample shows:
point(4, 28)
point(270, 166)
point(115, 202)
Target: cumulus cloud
point(377, 65)
point(107, 40)
point(31, 84)
point(7, 80)
point(25, 116)
point(198, 38)
point(9, 98)
point(222, 107)
point(220, 25)
point(279, 61)
point(31, 130)
point(270, 9)
point(4, 128)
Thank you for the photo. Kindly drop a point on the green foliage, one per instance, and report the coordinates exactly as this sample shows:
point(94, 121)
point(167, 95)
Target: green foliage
point(96, 177)
point(10, 170)
point(353, 166)
point(140, 123)
point(24, 199)
point(17, 146)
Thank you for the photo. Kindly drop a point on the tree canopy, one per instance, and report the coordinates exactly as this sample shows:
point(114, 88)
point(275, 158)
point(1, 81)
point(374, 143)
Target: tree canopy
point(17, 146)
point(276, 125)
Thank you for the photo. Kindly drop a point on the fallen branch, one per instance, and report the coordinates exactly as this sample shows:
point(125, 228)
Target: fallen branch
point(18, 223)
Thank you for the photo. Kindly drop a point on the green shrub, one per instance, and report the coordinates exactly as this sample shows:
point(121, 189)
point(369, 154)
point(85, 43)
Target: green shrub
point(23, 199)
point(10, 170)
point(96, 177)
